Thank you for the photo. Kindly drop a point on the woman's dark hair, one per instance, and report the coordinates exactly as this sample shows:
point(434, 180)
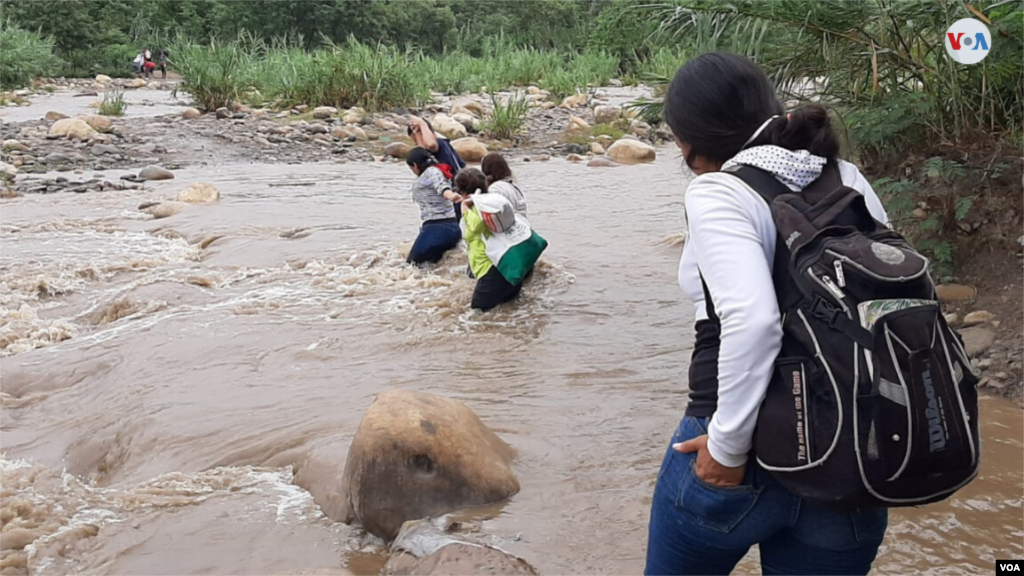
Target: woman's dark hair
point(717, 101)
point(469, 180)
point(495, 167)
point(421, 158)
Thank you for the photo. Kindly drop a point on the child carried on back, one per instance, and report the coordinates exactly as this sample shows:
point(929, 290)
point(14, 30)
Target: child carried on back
point(502, 246)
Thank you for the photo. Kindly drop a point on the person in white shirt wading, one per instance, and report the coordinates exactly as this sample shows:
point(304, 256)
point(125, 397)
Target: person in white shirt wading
point(712, 502)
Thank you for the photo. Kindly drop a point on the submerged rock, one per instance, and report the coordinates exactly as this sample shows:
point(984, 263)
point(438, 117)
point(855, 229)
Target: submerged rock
point(162, 209)
point(417, 455)
point(199, 193)
point(429, 548)
point(156, 173)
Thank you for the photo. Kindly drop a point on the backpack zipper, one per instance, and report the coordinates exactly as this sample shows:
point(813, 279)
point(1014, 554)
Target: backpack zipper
point(840, 276)
point(832, 286)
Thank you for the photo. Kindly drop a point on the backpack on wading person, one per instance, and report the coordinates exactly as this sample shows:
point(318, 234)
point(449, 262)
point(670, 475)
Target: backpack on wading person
point(872, 402)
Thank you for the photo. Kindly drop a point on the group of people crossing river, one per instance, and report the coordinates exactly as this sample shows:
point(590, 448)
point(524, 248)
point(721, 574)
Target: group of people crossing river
point(483, 206)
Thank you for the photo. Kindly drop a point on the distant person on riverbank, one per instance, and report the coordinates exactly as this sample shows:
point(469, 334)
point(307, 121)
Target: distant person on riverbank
point(432, 191)
point(161, 62)
point(500, 181)
point(139, 62)
point(502, 246)
point(712, 500)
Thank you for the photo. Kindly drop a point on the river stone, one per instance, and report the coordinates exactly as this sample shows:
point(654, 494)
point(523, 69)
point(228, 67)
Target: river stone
point(631, 152)
point(351, 118)
point(468, 121)
point(341, 132)
point(190, 113)
point(387, 125)
point(607, 114)
point(978, 317)
point(99, 123)
point(458, 559)
point(596, 148)
point(7, 172)
point(199, 193)
point(57, 158)
point(155, 173)
point(104, 79)
point(72, 128)
point(138, 83)
point(324, 112)
point(449, 127)
point(575, 158)
point(417, 455)
point(316, 129)
point(638, 128)
point(977, 340)
point(222, 113)
point(954, 292)
point(575, 101)
point(358, 133)
point(470, 149)
point(468, 106)
point(101, 149)
point(433, 547)
point(397, 150)
point(162, 209)
point(602, 162)
point(577, 123)
point(12, 144)
point(53, 116)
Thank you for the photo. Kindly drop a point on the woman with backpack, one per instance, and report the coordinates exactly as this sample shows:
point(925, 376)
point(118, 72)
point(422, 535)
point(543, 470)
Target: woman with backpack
point(501, 245)
point(432, 191)
point(713, 500)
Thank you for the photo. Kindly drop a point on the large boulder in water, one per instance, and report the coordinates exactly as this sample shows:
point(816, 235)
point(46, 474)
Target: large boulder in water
point(626, 151)
point(470, 149)
point(417, 455)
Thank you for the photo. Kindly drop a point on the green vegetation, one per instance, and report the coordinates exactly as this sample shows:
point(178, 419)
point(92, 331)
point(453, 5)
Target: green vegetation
point(508, 116)
point(113, 103)
point(26, 55)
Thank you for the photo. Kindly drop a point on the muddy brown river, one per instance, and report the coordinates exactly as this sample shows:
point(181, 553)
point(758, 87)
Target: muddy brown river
point(176, 392)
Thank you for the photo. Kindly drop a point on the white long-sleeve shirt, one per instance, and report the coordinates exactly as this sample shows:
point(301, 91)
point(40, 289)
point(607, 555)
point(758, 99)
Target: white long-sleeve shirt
point(732, 238)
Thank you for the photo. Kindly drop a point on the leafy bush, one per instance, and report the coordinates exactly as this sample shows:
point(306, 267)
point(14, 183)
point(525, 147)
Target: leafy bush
point(26, 55)
point(882, 63)
point(508, 117)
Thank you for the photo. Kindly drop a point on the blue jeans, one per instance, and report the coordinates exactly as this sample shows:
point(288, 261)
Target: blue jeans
point(698, 528)
point(436, 237)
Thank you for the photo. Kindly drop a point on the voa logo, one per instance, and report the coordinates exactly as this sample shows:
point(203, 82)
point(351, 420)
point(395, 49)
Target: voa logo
point(968, 41)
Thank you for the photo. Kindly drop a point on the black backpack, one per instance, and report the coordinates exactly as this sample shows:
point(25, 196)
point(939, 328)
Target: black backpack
point(873, 402)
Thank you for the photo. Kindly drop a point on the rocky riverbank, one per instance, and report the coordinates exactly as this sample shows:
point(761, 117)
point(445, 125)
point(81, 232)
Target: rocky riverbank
point(591, 127)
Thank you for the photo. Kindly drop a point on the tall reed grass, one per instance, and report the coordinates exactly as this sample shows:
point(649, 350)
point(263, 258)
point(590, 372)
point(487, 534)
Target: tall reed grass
point(26, 55)
point(378, 77)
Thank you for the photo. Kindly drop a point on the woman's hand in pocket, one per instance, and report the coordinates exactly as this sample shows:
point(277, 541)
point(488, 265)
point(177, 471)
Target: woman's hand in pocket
point(707, 468)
